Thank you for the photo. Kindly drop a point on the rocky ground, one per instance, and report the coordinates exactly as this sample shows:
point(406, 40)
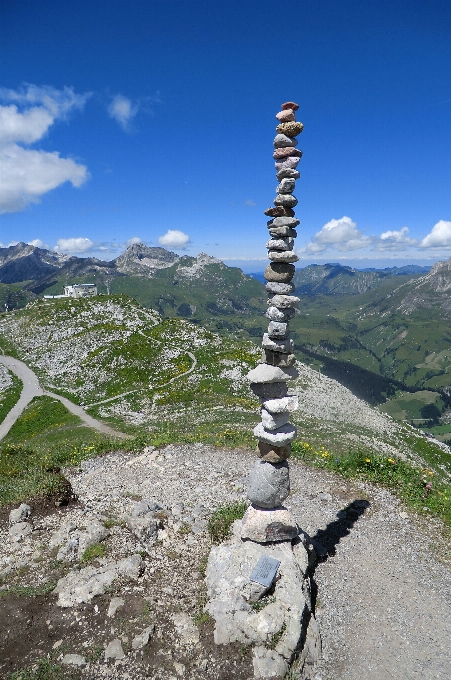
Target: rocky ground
point(134, 608)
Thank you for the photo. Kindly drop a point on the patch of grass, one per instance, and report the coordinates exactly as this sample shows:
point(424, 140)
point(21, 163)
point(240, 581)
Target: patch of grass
point(275, 639)
point(420, 488)
point(44, 669)
point(202, 618)
point(222, 519)
point(93, 552)
point(10, 397)
point(29, 591)
point(203, 566)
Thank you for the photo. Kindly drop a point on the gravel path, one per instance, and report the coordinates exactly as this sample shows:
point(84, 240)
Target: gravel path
point(32, 388)
point(384, 599)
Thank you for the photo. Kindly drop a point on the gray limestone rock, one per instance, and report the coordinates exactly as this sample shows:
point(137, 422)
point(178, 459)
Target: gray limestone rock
point(281, 141)
point(281, 437)
point(269, 664)
point(269, 484)
point(288, 172)
point(269, 390)
point(271, 374)
point(281, 405)
point(18, 531)
point(144, 507)
point(280, 288)
point(282, 256)
point(280, 243)
point(69, 551)
point(287, 200)
point(286, 186)
point(278, 358)
point(73, 660)
point(279, 271)
point(272, 421)
point(186, 628)
point(283, 222)
point(268, 525)
point(283, 231)
point(115, 603)
point(145, 528)
point(283, 301)
point(19, 514)
point(276, 314)
point(278, 330)
point(94, 532)
point(285, 346)
point(114, 650)
point(141, 640)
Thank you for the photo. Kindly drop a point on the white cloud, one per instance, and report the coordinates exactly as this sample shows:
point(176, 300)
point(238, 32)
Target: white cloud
point(122, 110)
point(74, 245)
point(37, 243)
point(439, 237)
point(174, 239)
point(27, 174)
point(395, 240)
point(132, 240)
point(341, 235)
point(250, 203)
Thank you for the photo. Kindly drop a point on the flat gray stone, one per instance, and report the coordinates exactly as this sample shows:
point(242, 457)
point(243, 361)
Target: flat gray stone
point(279, 271)
point(286, 186)
point(285, 346)
point(280, 288)
point(280, 243)
point(281, 437)
point(288, 172)
point(269, 484)
point(282, 256)
point(281, 405)
point(276, 314)
point(283, 231)
point(114, 650)
point(73, 660)
point(272, 421)
point(283, 222)
point(115, 603)
point(145, 507)
point(278, 330)
point(141, 640)
point(264, 373)
point(269, 390)
point(287, 200)
point(283, 301)
point(281, 141)
point(186, 628)
point(19, 531)
point(278, 358)
point(19, 514)
point(287, 162)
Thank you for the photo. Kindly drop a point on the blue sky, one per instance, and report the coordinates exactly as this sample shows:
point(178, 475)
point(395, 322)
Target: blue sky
point(154, 120)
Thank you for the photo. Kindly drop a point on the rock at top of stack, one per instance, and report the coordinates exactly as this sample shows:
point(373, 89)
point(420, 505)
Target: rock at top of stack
point(290, 105)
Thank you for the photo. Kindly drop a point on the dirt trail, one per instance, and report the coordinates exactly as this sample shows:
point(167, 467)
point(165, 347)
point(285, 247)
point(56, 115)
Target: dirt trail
point(32, 388)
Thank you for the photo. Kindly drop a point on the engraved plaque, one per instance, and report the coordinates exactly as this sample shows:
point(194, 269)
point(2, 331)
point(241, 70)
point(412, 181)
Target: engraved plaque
point(265, 570)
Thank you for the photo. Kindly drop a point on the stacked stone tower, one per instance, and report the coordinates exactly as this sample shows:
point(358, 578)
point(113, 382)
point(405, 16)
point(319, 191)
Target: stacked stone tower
point(266, 520)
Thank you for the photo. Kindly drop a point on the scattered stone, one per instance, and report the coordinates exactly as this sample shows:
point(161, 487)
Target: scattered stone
point(281, 437)
point(144, 507)
point(280, 244)
point(273, 454)
point(19, 514)
point(177, 509)
point(290, 105)
point(287, 200)
point(285, 346)
point(280, 272)
point(278, 358)
point(404, 515)
point(267, 526)
point(186, 628)
point(282, 256)
point(114, 650)
point(73, 660)
point(141, 640)
point(324, 496)
point(276, 314)
point(290, 128)
point(271, 421)
point(283, 301)
point(281, 141)
point(271, 374)
point(285, 116)
point(145, 528)
point(288, 172)
point(280, 288)
point(286, 151)
point(286, 186)
point(269, 484)
point(19, 531)
point(115, 603)
point(278, 330)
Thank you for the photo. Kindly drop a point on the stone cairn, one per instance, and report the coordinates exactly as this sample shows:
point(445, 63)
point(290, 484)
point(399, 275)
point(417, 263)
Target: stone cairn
point(266, 519)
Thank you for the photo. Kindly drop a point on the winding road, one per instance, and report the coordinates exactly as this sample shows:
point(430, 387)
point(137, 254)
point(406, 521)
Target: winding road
point(32, 388)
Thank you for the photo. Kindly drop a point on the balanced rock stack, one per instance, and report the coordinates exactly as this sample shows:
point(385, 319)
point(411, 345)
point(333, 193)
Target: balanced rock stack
point(266, 520)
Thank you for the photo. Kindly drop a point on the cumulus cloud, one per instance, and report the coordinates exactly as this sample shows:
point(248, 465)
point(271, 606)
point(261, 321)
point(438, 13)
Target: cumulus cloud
point(341, 235)
point(174, 239)
point(27, 174)
point(395, 240)
point(131, 241)
point(75, 245)
point(122, 110)
point(37, 243)
point(439, 237)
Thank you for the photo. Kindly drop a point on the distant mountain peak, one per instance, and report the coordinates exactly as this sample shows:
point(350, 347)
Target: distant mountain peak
point(142, 260)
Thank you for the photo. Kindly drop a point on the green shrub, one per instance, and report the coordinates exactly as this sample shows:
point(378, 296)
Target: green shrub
point(222, 519)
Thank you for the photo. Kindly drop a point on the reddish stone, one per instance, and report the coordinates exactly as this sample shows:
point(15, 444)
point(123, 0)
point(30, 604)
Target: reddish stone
point(290, 105)
point(279, 211)
point(286, 116)
point(285, 151)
